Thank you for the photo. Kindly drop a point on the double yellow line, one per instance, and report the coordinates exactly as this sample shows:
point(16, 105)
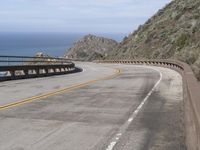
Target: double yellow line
point(64, 90)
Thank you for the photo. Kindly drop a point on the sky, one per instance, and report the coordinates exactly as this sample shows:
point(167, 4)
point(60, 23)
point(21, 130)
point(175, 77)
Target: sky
point(85, 16)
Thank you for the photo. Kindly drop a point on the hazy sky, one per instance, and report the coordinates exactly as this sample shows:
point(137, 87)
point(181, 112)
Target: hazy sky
point(108, 16)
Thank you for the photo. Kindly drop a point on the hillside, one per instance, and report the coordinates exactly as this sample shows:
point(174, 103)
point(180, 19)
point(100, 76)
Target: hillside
point(91, 47)
point(174, 32)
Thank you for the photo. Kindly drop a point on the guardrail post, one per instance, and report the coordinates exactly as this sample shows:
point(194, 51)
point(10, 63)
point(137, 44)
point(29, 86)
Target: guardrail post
point(46, 70)
point(12, 74)
point(26, 73)
point(53, 70)
point(37, 71)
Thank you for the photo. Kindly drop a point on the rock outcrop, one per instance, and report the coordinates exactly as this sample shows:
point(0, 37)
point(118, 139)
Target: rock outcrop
point(91, 47)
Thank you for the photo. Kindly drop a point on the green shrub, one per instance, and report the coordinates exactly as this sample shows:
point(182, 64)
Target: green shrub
point(182, 41)
point(82, 54)
point(188, 55)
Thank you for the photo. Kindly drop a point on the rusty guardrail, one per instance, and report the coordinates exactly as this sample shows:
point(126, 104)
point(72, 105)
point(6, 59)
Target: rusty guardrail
point(191, 95)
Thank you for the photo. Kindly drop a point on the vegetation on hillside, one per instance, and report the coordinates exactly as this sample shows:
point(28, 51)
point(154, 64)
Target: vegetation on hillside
point(174, 32)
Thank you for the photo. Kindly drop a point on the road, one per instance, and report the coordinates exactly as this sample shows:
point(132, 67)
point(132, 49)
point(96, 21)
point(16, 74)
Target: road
point(105, 107)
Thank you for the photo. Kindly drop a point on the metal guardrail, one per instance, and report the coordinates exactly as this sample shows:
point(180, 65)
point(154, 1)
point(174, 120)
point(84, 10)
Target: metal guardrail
point(20, 67)
point(26, 60)
point(191, 95)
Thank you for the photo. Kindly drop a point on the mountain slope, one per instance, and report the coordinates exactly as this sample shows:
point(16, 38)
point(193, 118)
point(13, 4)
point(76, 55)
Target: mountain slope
point(174, 32)
point(91, 47)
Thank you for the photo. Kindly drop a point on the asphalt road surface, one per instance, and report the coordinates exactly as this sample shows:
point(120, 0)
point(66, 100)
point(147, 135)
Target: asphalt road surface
point(105, 107)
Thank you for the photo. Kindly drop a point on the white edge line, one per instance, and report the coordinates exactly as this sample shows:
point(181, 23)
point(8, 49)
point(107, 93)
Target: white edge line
point(118, 135)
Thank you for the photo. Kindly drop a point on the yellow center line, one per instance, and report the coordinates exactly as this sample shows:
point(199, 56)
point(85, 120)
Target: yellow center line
point(64, 90)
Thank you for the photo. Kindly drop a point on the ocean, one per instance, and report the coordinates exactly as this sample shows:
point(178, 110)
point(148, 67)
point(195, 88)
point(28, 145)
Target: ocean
point(53, 44)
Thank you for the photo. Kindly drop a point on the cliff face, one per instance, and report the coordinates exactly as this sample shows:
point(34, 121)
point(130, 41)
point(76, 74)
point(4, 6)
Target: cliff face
point(91, 47)
point(174, 32)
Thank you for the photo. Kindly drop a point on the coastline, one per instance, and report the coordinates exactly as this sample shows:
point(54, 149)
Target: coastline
point(54, 44)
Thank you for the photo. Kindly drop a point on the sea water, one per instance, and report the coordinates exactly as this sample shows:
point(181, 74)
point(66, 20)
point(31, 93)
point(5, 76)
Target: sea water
point(53, 44)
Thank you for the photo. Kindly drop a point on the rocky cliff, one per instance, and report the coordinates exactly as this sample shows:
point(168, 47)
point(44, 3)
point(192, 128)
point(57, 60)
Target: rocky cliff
point(174, 32)
point(91, 47)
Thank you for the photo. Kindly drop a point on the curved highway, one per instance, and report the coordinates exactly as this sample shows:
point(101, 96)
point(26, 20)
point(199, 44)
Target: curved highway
point(105, 107)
